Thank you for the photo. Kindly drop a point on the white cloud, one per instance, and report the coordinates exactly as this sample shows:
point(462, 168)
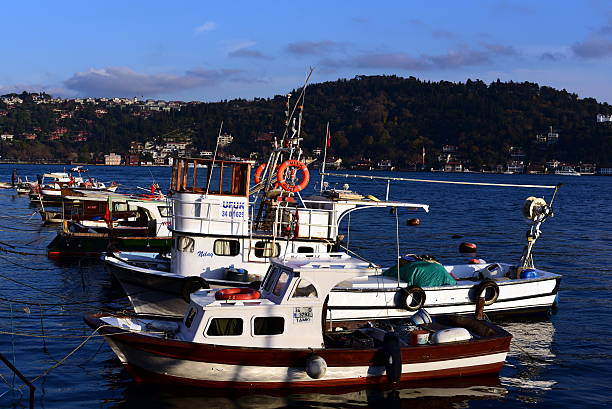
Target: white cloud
point(208, 26)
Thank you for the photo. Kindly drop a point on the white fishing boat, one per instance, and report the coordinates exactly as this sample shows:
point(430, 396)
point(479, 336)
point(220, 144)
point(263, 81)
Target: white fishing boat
point(62, 184)
point(278, 337)
point(567, 171)
point(226, 232)
point(227, 225)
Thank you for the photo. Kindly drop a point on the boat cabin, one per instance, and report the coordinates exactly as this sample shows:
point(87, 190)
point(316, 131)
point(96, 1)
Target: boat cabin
point(287, 311)
point(220, 222)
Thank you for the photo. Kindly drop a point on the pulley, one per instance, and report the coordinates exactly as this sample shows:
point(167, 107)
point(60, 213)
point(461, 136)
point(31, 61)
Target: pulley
point(535, 208)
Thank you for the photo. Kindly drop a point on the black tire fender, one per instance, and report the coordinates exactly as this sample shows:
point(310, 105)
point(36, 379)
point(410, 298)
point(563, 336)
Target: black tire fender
point(255, 285)
point(417, 294)
point(192, 284)
point(482, 289)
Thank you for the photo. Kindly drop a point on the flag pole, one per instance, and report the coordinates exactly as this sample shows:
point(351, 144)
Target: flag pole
point(327, 141)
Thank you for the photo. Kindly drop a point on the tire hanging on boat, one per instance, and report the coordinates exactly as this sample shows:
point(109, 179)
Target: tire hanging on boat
point(484, 287)
point(192, 284)
point(280, 175)
point(416, 293)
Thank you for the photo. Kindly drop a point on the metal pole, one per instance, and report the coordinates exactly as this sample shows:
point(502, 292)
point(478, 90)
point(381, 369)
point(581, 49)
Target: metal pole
point(212, 169)
point(387, 195)
point(20, 376)
point(398, 246)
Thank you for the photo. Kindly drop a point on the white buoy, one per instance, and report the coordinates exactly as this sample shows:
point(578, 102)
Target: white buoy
point(316, 367)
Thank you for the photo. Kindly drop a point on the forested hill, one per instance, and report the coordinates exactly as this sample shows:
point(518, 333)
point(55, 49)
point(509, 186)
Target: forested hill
point(377, 117)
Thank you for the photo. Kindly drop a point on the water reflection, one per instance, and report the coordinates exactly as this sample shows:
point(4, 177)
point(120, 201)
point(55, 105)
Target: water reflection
point(530, 355)
point(437, 394)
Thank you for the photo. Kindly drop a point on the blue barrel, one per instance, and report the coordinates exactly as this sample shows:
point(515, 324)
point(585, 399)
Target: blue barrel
point(529, 273)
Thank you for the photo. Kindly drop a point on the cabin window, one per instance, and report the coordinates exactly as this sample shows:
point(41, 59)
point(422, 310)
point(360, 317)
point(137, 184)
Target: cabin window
point(226, 247)
point(305, 289)
point(164, 211)
point(266, 249)
point(224, 327)
point(281, 283)
point(269, 278)
point(190, 316)
point(185, 244)
point(305, 249)
point(268, 325)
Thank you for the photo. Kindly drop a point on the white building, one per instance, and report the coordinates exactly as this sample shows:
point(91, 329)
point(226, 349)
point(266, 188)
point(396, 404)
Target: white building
point(112, 159)
point(604, 118)
point(225, 139)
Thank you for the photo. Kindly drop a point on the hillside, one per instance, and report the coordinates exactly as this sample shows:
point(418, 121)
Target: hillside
point(371, 117)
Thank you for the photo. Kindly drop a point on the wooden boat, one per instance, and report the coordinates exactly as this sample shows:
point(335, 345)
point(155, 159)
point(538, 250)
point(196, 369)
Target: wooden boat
point(147, 232)
point(278, 337)
point(89, 208)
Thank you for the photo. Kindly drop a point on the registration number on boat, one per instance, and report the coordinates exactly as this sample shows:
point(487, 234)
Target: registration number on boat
point(302, 314)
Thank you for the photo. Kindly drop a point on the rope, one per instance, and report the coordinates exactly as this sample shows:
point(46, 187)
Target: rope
point(21, 253)
point(61, 361)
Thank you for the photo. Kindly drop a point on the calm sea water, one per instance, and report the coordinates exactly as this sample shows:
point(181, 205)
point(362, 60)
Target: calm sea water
point(562, 361)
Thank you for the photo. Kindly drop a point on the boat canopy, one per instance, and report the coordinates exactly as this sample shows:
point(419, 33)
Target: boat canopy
point(216, 177)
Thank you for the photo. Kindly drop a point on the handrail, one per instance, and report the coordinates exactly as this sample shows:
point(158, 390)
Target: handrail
point(451, 182)
point(20, 376)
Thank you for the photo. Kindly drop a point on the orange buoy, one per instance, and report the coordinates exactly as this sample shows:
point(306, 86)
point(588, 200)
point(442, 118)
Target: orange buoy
point(466, 247)
point(413, 222)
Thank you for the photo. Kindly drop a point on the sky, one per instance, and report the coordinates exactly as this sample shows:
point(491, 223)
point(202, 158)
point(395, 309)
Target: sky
point(210, 51)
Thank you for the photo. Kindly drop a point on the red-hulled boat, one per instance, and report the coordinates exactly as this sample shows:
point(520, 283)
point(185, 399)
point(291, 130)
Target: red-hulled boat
point(276, 337)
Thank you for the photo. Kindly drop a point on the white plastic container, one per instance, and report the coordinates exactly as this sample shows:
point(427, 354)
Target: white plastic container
point(450, 335)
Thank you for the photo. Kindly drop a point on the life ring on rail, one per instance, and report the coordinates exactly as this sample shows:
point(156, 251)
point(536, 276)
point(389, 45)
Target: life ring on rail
point(485, 288)
point(417, 298)
point(245, 293)
point(280, 175)
point(258, 172)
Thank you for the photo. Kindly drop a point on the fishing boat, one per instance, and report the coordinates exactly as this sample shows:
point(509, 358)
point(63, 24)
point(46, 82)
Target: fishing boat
point(567, 171)
point(88, 208)
point(228, 222)
point(225, 233)
point(154, 285)
point(278, 337)
point(24, 187)
point(222, 237)
point(144, 228)
point(64, 184)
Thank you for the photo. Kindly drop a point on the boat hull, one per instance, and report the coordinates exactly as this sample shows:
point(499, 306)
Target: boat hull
point(158, 360)
point(161, 293)
point(93, 244)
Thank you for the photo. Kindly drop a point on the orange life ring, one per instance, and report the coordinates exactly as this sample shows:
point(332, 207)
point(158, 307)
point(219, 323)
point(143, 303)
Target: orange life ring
point(245, 293)
point(280, 175)
point(258, 172)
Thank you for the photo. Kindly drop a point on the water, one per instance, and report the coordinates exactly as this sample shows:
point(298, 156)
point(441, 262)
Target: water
point(561, 361)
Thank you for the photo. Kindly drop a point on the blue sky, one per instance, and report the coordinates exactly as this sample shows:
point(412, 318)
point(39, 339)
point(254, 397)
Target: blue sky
point(207, 51)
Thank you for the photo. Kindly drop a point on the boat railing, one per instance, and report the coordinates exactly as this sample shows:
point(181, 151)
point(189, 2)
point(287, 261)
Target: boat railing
point(304, 222)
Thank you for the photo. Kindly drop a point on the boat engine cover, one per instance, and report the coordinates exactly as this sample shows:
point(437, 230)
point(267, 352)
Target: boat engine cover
point(450, 335)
